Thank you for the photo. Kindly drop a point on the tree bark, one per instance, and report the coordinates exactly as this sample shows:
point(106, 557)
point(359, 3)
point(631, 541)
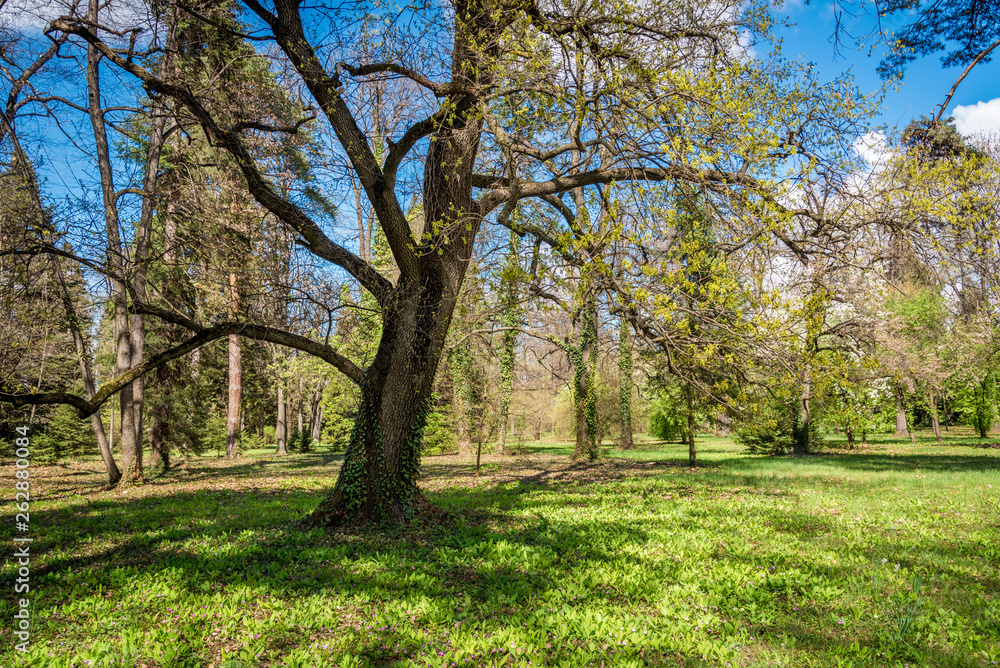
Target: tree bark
point(692, 452)
point(114, 475)
point(299, 425)
point(462, 398)
point(932, 408)
point(166, 376)
point(317, 435)
point(585, 377)
point(235, 397)
point(507, 359)
point(72, 322)
point(131, 454)
point(377, 481)
point(281, 429)
point(159, 435)
point(235, 380)
point(901, 428)
point(625, 383)
point(802, 445)
point(316, 416)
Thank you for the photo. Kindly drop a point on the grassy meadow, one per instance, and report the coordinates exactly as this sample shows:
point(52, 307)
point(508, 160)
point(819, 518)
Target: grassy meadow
point(887, 555)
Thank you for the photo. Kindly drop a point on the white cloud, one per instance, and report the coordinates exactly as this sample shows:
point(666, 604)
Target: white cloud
point(982, 117)
point(872, 148)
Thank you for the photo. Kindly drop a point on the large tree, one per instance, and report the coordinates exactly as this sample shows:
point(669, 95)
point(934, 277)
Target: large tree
point(603, 93)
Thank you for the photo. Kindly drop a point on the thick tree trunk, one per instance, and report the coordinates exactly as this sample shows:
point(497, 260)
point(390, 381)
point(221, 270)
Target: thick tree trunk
point(378, 479)
point(281, 428)
point(932, 407)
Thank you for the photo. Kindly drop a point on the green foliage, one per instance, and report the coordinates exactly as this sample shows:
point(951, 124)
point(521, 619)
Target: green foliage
point(976, 404)
point(340, 410)
point(772, 430)
point(668, 416)
point(251, 440)
point(64, 436)
point(212, 435)
point(439, 434)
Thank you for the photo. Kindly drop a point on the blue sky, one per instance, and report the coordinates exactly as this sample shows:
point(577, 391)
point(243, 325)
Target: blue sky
point(925, 85)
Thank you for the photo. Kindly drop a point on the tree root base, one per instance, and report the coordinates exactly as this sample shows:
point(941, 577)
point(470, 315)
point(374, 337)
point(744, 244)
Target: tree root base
point(331, 514)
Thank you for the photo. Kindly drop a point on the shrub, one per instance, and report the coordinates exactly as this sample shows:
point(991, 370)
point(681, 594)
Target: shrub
point(439, 434)
point(772, 431)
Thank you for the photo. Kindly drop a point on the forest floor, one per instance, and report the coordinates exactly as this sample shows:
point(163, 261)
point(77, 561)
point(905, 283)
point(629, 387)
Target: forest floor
point(886, 555)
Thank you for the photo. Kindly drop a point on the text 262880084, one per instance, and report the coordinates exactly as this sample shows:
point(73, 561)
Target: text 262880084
point(22, 542)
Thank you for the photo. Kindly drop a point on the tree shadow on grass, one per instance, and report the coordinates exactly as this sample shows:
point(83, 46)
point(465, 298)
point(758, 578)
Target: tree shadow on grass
point(873, 462)
point(507, 564)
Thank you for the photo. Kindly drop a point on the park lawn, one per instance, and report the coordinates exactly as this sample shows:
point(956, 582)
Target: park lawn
point(888, 555)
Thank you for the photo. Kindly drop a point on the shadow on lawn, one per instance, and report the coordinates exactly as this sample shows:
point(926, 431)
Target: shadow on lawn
point(861, 461)
point(259, 547)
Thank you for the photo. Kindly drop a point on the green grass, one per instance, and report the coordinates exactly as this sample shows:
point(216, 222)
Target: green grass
point(888, 555)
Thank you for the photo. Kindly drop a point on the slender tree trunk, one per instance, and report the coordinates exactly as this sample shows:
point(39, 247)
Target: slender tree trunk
point(510, 316)
point(316, 416)
point(317, 434)
point(281, 429)
point(166, 376)
point(507, 358)
point(72, 322)
point(692, 452)
point(114, 475)
point(901, 428)
point(721, 424)
point(131, 456)
point(235, 397)
point(625, 383)
point(462, 398)
point(235, 380)
point(586, 390)
point(298, 407)
point(159, 435)
point(932, 407)
point(801, 446)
